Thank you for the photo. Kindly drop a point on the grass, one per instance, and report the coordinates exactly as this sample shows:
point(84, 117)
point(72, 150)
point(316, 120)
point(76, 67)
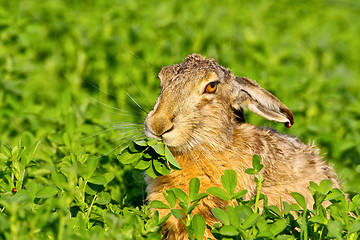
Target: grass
point(66, 68)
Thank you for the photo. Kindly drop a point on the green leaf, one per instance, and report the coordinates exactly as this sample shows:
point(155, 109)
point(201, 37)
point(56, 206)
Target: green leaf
point(159, 205)
point(279, 226)
point(93, 189)
point(335, 229)
point(266, 234)
point(109, 176)
point(198, 225)
point(90, 168)
point(181, 195)
point(127, 157)
point(229, 181)
point(286, 208)
point(355, 202)
point(335, 193)
point(250, 171)
point(70, 124)
point(257, 163)
point(47, 192)
point(194, 187)
point(325, 186)
point(141, 143)
point(285, 237)
point(299, 199)
point(313, 187)
point(21, 197)
point(6, 150)
point(239, 194)
point(354, 227)
point(143, 165)
point(233, 216)
point(151, 171)
point(244, 212)
point(170, 197)
point(159, 148)
point(200, 196)
point(221, 215)
point(31, 152)
point(262, 225)
point(318, 219)
point(295, 207)
point(59, 179)
point(161, 168)
point(275, 210)
point(103, 198)
point(178, 213)
point(250, 221)
point(171, 159)
point(218, 192)
point(185, 207)
point(98, 180)
point(151, 142)
point(229, 231)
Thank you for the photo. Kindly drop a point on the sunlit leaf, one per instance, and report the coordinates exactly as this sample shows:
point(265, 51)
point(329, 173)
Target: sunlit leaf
point(46, 192)
point(159, 205)
point(221, 215)
point(229, 181)
point(194, 187)
point(198, 225)
point(218, 192)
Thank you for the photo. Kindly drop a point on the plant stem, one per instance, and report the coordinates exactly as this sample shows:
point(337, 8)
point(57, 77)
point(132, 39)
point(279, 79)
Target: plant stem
point(258, 187)
point(259, 182)
point(90, 208)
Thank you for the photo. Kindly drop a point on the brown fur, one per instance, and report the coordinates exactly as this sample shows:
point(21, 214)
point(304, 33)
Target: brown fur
point(206, 134)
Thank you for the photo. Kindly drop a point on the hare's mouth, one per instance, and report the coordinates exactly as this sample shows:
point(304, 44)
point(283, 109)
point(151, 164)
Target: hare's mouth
point(173, 138)
point(150, 134)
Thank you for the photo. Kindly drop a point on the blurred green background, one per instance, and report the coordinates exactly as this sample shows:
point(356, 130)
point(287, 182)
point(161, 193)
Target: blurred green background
point(66, 65)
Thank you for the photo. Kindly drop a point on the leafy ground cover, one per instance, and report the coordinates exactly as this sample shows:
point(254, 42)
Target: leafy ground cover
point(66, 68)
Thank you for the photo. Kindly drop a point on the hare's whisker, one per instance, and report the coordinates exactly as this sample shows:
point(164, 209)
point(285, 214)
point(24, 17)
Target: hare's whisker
point(96, 134)
point(100, 89)
point(128, 140)
point(119, 111)
point(136, 103)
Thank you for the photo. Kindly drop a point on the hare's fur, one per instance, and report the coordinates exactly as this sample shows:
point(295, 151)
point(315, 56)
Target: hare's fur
point(207, 135)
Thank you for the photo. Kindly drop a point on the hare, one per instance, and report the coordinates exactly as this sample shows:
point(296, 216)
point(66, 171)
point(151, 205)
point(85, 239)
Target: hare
point(199, 116)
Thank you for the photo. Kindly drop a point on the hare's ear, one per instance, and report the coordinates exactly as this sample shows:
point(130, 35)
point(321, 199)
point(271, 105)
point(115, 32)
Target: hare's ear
point(247, 93)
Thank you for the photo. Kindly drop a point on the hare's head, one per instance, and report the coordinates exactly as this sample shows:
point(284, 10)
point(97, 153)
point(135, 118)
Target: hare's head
point(201, 102)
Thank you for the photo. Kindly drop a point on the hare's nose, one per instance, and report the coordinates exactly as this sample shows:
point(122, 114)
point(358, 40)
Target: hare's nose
point(158, 125)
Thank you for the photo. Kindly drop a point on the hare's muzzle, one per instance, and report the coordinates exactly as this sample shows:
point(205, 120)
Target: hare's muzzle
point(156, 125)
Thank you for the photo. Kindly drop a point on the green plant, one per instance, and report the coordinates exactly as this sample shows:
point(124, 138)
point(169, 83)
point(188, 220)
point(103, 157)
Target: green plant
point(152, 156)
point(66, 68)
point(195, 224)
point(243, 220)
point(68, 199)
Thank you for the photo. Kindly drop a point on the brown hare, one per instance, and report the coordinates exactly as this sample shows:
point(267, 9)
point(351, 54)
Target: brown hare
point(199, 116)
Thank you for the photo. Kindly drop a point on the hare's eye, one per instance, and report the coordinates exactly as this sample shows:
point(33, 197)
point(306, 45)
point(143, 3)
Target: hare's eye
point(211, 87)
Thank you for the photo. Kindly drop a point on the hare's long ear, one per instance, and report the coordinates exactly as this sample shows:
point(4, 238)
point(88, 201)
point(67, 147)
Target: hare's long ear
point(247, 93)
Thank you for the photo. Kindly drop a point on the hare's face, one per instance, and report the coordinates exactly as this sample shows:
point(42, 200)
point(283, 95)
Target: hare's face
point(201, 102)
point(190, 109)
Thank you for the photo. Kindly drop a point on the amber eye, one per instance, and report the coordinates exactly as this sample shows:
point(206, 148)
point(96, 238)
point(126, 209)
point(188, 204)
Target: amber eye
point(211, 87)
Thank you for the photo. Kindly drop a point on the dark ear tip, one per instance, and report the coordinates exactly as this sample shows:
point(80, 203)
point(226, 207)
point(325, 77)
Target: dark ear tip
point(288, 124)
point(290, 118)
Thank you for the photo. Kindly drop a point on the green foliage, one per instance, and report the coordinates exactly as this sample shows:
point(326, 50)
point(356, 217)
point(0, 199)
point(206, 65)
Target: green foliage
point(195, 224)
point(152, 156)
point(340, 220)
point(67, 68)
point(67, 199)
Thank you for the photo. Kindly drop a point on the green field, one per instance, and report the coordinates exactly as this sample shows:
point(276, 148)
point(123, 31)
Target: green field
point(67, 68)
